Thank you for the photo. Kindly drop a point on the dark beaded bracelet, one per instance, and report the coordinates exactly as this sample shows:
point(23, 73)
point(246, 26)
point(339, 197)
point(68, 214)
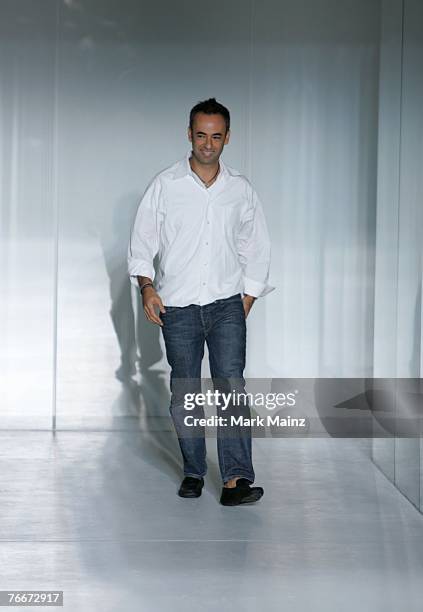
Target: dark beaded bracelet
point(145, 285)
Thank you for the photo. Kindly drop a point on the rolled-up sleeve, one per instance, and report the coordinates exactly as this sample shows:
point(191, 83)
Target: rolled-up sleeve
point(254, 249)
point(144, 238)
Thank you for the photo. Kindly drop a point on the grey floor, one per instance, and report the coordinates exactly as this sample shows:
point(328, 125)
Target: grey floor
point(96, 514)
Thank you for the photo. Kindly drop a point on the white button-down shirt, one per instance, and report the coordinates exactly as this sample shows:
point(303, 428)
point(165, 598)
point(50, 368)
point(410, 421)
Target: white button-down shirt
point(211, 242)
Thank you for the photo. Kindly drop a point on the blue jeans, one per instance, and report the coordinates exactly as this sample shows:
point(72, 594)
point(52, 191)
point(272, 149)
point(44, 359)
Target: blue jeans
point(221, 324)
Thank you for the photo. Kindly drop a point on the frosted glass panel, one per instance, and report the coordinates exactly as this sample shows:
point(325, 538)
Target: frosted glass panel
point(313, 159)
point(386, 269)
point(409, 328)
point(398, 302)
point(129, 74)
point(27, 222)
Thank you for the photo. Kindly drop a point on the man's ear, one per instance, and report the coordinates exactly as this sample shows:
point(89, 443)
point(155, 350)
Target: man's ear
point(228, 133)
point(189, 134)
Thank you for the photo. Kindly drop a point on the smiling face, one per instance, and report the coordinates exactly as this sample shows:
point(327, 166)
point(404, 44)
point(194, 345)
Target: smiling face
point(208, 137)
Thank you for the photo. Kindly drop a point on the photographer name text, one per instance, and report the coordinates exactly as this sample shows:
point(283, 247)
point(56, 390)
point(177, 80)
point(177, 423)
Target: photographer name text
point(240, 421)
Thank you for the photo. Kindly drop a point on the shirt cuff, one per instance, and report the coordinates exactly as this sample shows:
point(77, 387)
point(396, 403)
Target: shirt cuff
point(256, 289)
point(140, 270)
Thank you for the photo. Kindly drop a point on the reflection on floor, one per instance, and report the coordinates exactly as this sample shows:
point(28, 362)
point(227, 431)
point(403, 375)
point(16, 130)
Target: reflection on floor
point(96, 515)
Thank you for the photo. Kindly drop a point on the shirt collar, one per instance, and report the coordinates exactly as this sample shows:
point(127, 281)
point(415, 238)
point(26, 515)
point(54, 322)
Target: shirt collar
point(183, 167)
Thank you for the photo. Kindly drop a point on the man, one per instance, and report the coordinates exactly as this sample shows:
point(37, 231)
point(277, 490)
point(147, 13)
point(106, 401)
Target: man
point(206, 223)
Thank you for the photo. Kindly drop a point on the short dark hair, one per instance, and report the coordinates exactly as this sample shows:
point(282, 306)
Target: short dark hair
point(210, 107)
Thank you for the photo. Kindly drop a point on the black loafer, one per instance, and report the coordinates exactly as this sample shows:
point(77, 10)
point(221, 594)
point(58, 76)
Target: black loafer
point(243, 493)
point(191, 487)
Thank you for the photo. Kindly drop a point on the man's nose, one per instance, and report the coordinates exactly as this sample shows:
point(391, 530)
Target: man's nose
point(208, 143)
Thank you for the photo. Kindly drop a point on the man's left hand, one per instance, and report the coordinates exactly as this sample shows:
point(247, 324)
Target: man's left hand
point(248, 301)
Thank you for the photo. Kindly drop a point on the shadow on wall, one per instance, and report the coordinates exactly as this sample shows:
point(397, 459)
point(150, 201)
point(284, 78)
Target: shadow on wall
point(145, 393)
